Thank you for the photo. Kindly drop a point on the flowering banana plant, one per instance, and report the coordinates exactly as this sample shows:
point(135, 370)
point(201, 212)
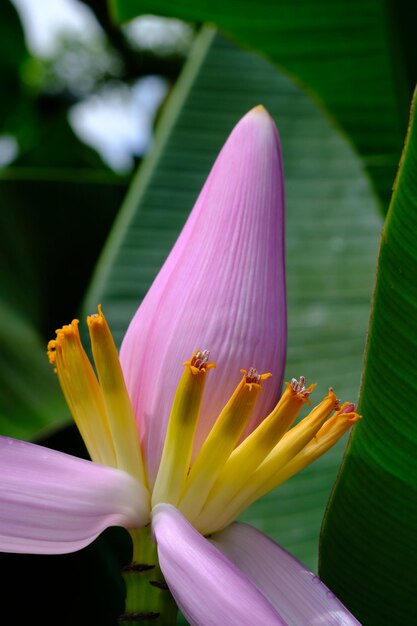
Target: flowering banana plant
point(181, 445)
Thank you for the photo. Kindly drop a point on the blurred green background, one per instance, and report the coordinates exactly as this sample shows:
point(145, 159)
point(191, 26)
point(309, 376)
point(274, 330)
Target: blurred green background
point(107, 132)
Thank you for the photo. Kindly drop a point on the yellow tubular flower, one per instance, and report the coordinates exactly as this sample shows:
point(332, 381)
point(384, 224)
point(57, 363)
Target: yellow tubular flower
point(185, 412)
point(119, 410)
point(82, 393)
point(220, 442)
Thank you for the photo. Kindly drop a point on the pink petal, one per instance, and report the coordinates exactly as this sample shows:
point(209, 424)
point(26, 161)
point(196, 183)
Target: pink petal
point(209, 590)
point(222, 288)
point(297, 593)
point(51, 503)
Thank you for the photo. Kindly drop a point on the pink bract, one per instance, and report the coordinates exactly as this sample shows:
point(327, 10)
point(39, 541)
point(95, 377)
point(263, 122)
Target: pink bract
point(222, 288)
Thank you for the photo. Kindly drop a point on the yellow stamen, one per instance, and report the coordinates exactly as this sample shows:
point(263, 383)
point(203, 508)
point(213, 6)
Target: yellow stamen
point(220, 442)
point(176, 455)
point(252, 451)
point(219, 504)
point(82, 393)
point(119, 410)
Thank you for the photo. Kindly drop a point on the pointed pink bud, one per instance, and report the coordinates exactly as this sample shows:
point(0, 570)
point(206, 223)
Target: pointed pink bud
point(222, 287)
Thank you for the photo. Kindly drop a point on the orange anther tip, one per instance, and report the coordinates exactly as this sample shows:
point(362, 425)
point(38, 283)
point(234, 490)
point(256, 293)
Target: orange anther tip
point(96, 317)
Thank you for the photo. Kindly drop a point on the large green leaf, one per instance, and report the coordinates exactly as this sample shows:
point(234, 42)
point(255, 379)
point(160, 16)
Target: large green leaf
point(53, 223)
point(30, 398)
point(369, 547)
point(332, 229)
point(56, 193)
point(350, 52)
point(43, 276)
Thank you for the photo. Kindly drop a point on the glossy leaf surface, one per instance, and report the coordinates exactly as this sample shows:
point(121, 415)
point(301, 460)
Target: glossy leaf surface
point(368, 548)
point(352, 54)
point(30, 398)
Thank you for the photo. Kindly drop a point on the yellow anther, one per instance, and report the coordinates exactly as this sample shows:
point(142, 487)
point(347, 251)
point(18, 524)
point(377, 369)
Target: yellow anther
point(182, 424)
point(298, 385)
point(220, 442)
point(120, 416)
point(252, 376)
point(200, 361)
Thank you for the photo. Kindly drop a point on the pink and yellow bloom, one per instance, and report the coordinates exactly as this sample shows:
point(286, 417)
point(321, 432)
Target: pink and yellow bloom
point(181, 443)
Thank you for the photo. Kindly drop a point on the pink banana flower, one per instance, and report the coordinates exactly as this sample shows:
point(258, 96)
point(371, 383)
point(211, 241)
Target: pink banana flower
point(181, 447)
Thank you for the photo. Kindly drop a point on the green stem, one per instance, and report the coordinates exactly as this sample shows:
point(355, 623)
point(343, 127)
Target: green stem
point(148, 599)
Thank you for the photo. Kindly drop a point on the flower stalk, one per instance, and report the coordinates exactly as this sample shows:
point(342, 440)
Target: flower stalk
point(148, 600)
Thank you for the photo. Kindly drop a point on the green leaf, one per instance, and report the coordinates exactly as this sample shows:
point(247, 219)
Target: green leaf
point(53, 224)
point(351, 53)
point(332, 228)
point(30, 399)
point(43, 276)
point(368, 547)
